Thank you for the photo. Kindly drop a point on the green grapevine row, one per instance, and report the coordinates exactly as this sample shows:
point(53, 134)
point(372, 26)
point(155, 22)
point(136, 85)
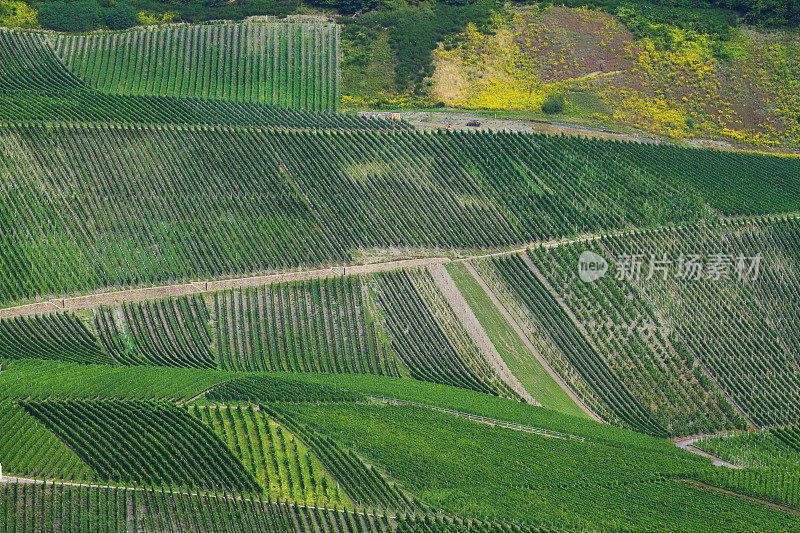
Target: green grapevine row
point(364, 485)
point(645, 356)
point(273, 389)
point(752, 449)
point(790, 436)
point(27, 448)
point(41, 379)
point(36, 86)
point(734, 305)
point(777, 485)
point(169, 332)
point(574, 345)
point(165, 204)
point(475, 470)
point(54, 336)
point(275, 458)
point(422, 343)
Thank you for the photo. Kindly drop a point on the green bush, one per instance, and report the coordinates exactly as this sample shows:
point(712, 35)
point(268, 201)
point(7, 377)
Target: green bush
point(121, 17)
point(554, 104)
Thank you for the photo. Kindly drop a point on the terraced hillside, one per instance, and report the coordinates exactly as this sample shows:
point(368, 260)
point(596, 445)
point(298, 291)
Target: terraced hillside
point(284, 64)
point(226, 316)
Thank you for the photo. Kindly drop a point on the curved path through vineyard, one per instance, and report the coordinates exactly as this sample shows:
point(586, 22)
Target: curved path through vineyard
point(685, 443)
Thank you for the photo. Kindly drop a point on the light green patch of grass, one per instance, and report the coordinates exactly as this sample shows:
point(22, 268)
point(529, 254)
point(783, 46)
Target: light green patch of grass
point(522, 363)
point(586, 104)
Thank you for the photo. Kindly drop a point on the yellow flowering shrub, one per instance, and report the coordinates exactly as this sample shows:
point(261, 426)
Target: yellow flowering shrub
point(17, 14)
point(150, 18)
point(674, 83)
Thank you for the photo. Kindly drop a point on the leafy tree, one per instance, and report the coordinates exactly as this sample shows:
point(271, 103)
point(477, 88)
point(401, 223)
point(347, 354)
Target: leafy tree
point(73, 17)
point(121, 17)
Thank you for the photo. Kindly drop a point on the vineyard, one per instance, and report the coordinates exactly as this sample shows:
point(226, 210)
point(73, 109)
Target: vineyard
point(581, 353)
point(422, 341)
point(768, 464)
point(85, 509)
point(637, 347)
point(757, 449)
point(364, 484)
point(233, 202)
point(28, 449)
point(316, 326)
point(287, 65)
point(252, 312)
point(143, 442)
point(41, 379)
point(476, 470)
point(36, 86)
point(173, 332)
point(273, 389)
point(738, 322)
point(56, 336)
point(273, 456)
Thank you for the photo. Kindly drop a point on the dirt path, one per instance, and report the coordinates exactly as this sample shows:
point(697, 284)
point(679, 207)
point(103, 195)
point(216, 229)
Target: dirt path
point(469, 321)
point(685, 443)
point(524, 338)
point(476, 418)
point(435, 120)
point(759, 501)
point(166, 291)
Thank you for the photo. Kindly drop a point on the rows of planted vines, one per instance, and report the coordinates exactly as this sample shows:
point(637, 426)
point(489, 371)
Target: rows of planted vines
point(28, 449)
point(36, 86)
point(365, 485)
point(646, 355)
point(753, 449)
point(277, 389)
point(790, 436)
point(168, 332)
point(273, 456)
point(459, 466)
point(55, 507)
point(572, 342)
point(733, 185)
point(143, 443)
point(422, 343)
point(731, 293)
point(58, 336)
point(776, 485)
point(42, 379)
point(60, 508)
point(285, 64)
point(315, 326)
point(154, 205)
